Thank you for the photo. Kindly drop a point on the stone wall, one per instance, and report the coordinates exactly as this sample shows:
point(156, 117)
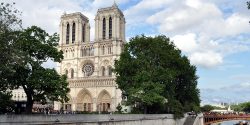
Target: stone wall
point(84, 119)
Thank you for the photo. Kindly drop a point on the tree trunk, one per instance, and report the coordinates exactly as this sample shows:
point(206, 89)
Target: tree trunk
point(29, 104)
point(145, 109)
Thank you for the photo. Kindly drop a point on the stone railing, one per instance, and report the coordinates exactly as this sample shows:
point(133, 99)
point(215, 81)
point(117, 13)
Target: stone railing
point(92, 82)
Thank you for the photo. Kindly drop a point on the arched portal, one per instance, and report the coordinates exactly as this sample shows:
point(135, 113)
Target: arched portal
point(84, 101)
point(104, 101)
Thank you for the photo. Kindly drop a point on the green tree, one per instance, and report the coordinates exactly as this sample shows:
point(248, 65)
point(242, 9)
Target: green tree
point(246, 107)
point(40, 84)
point(6, 104)
point(207, 108)
point(155, 77)
point(9, 24)
point(22, 52)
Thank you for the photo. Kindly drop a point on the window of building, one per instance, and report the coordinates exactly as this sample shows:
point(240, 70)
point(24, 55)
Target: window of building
point(66, 73)
point(109, 50)
point(103, 71)
point(103, 28)
point(72, 73)
point(83, 33)
point(103, 50)
point(67, 34)
point(92, 51)
point(110, 27)
point(73, 32)
point(110, 70)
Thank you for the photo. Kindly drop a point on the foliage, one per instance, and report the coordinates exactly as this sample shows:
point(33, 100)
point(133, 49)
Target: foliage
point(39, 83)
point(207, 108)
point(119, 108)
point(154, 75)
point(6, 105)
point(9, 24)
point(242, 107)
point(22, 52)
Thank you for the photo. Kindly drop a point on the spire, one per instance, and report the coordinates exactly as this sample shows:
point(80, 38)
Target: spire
point(114, 4)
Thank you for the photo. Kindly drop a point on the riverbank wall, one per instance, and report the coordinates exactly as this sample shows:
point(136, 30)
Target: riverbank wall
point(91, 119)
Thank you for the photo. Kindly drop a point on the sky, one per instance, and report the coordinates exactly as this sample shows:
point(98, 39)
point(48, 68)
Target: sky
point(214, 34)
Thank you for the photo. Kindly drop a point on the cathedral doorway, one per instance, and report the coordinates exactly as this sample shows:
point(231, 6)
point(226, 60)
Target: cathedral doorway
point(104, 101)
point(84, 101)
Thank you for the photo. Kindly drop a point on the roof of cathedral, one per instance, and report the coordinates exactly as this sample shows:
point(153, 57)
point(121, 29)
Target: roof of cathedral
point(65, 15)
point(113, 7)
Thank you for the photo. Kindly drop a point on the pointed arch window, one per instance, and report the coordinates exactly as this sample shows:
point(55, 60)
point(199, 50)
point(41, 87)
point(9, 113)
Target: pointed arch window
point(67, 34)
point(83, 33)
point(72, 73)
point(110, 70)
point(73, 32)
point(110, 27)
point(66, 73)
point(103, 28)
point(103, 71)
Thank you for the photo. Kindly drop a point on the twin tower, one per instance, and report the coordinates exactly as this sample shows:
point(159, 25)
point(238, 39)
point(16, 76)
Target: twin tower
point(88, 64)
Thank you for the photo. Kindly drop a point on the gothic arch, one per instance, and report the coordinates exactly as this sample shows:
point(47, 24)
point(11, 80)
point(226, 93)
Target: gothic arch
point(66, 72)
point(105, 62)
point(83, 32)
point(109, 71)
point(73, 32)
point(110, 27)
point(104, 101)
point(72, 73)
point(102, 71)
point(103, 28)
point(67, 33)
point(84, 101)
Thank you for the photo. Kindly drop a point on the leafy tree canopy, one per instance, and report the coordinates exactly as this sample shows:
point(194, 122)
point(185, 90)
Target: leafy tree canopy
point(22, 52)
point(207, 108)
point(155, 77)
point(36, 47)
point(9, 24)
point(6, 104)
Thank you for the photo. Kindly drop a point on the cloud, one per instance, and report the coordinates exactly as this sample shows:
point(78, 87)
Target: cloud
point(202, 30)
point(142, 10)
point(230, 94)
point(186, 42)
point(206, 59)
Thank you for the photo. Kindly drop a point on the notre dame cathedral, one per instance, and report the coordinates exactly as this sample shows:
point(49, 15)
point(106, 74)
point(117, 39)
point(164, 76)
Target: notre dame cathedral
point(88, 64)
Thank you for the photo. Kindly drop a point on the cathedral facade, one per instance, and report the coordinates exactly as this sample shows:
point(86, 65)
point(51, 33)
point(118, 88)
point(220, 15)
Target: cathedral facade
point(88, 64)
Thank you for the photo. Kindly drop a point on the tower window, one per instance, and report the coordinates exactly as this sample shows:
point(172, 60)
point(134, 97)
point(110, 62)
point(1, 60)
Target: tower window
point(67, 34)
point(110, 27)
point(103, 28)
point(73, 32)
point(83, 33)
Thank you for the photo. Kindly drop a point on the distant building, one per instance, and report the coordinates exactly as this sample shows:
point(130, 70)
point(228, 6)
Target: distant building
point(228, 110)
point(19, 95)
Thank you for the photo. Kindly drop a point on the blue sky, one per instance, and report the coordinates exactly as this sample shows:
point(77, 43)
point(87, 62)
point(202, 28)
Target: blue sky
point(214, 34)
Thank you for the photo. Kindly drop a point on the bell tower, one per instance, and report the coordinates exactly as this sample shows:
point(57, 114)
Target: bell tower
point(109, 24)
point(74, 29)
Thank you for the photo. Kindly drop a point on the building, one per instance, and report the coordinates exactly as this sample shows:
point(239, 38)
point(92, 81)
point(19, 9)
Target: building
point(88, 64)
